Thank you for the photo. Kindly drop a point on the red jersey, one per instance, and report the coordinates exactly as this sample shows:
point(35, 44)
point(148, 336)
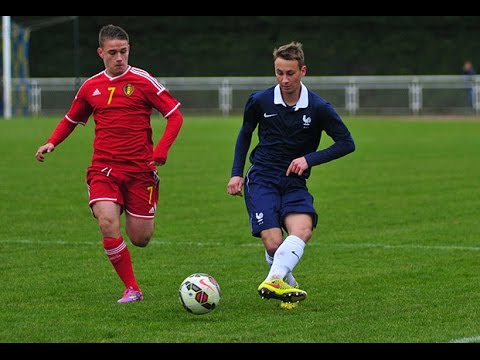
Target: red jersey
point(121, 107)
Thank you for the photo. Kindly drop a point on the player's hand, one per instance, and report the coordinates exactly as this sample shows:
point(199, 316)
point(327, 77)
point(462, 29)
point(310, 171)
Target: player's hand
point(297, 166)
point(47, 148)
point(156, 163)
point(235, 186)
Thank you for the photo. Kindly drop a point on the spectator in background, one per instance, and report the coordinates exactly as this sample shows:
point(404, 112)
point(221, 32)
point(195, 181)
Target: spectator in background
point(468, 71)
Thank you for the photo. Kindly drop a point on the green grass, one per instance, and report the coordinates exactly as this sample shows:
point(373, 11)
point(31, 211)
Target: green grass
point(394, 257)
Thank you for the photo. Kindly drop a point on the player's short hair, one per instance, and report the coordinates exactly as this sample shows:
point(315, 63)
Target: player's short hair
point(111, 32)
point(290, 51)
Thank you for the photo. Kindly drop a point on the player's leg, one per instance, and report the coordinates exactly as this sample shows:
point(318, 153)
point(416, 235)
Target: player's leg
point(139, 230)
point(274, 286)
point(140, 207)
point(104, 186)
point(289, 253)
point(108, 216)
point(285, 258)
point(299, 219)
point(263, 202)
point(140, 201)
point(291, 250)
point(265, 223)
point(289, 278)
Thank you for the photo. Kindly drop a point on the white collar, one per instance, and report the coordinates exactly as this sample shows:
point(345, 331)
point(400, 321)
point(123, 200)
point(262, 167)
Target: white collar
point(301, 103)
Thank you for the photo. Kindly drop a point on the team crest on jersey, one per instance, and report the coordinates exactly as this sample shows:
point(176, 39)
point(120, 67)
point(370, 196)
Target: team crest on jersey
point(128, 89)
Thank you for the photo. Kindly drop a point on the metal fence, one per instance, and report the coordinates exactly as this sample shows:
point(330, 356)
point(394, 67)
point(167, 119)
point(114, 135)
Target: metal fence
point(352, 95)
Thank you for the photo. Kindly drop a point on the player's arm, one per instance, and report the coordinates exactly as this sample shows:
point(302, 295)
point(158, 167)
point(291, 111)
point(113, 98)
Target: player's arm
point(161, 99)
point(338, 131)
point(61, 132)
point(174, 124)
point(244, 138)
point(79, 110)
point(242, 145)
point(235, 184)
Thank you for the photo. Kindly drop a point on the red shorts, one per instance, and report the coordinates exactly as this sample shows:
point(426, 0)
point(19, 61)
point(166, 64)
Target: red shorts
point(136, 193)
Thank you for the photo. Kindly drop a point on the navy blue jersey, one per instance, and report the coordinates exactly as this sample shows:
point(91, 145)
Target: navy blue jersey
point(286, 133)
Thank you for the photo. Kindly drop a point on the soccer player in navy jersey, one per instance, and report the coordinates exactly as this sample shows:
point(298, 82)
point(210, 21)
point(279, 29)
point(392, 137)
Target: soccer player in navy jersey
point(122, 177)
point(290, 120)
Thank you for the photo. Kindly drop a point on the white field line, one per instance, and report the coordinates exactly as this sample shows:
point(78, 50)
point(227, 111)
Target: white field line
point(251, 243)
point(472, 339)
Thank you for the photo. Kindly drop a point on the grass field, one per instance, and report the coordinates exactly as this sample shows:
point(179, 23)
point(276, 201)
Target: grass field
point(395, 257)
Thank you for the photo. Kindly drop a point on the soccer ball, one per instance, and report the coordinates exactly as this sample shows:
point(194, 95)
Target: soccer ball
point(199, 293)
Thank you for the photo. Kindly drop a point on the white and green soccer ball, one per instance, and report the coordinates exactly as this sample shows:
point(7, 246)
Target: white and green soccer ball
point(199, 293)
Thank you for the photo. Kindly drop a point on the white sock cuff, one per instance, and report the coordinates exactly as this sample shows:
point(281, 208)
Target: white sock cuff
point(295, 241)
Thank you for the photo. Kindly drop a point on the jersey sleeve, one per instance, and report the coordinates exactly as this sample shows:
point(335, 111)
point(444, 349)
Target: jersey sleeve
point(78, 113)
point(244, 138)
point(80, 109)
point(159, 97)
point(174, 123)
point(167, 105)
point(61, 132)
point(340, 134)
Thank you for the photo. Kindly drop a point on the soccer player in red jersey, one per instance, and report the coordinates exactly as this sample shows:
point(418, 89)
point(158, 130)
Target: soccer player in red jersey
point(122, 177)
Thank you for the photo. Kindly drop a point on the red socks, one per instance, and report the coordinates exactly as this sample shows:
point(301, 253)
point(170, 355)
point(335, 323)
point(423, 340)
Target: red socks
point(119, 255)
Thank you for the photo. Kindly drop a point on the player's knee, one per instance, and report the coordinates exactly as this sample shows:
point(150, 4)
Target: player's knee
point(271, 245)
point(139, 232)
point(107, 226)
point(271, 249)
point(272, 239)
point(305, 234)
point(140, 240)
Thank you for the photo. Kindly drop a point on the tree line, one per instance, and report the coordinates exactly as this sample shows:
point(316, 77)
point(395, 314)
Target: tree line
point(186, 46)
